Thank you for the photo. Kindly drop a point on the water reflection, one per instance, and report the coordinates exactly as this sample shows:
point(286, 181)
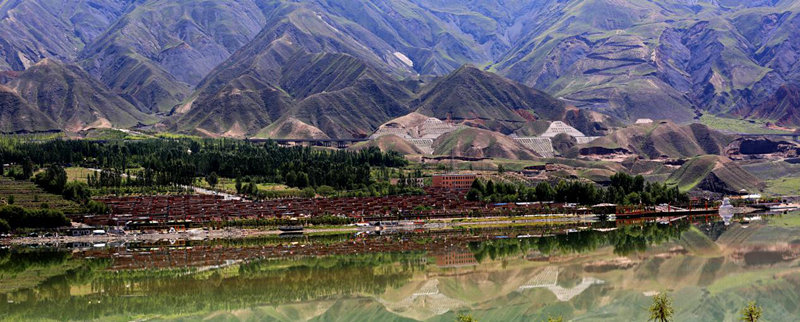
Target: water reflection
point(521, 273)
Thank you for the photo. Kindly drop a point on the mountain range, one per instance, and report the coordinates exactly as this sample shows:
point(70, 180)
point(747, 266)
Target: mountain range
point(325, 68)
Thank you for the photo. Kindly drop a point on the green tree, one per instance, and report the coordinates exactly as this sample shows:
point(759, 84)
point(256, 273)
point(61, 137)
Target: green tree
point(97, 208)
point(490, 189)
point(545, 192)
point(4, 227)
point(10, 200)
point(501, 169)
point(52, 180)
point(308, 193)
point(27, 168)
point(751, 313)
point(465, 318)
point(326, 191)
point(661, 309)
point(478, 185)
point(474, 195)
point(555, 319)
point(77, 191)
point(238, 185)
point(212, 179)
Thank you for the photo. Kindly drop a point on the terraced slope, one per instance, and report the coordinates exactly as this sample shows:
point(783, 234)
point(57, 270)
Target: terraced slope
point(390, 143)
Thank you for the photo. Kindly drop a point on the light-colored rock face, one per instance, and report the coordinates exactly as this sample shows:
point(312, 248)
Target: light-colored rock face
point(416, 129)
point(559, 127)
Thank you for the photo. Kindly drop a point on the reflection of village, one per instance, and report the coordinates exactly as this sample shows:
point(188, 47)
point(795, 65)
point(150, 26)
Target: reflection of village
point(203, 254)
point(452, 263)
point(428, 300)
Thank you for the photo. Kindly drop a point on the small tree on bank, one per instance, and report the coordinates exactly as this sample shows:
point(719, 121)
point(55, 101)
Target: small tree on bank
point(751, 313)
point(661, 309)
point(465, 318)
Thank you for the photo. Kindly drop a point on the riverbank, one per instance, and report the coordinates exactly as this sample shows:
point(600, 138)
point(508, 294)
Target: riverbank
point(240, 233)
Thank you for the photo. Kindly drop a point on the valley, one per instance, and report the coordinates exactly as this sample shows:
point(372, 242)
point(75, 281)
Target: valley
point(399, 160)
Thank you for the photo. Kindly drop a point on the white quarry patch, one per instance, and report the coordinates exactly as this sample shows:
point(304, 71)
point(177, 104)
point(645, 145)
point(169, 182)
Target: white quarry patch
point(542, 146)
point(402, 57)
point(559, 127)
point(420, 135)
point(548, 279)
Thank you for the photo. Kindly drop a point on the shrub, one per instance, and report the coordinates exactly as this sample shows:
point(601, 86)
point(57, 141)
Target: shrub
point(17, 217)
point(77, 191)
point(4, 227)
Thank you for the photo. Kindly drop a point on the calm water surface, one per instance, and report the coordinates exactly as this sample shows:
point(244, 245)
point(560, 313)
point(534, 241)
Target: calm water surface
point(710, 270)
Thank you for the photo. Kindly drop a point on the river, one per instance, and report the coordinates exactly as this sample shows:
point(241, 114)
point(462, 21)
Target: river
point(710, 270)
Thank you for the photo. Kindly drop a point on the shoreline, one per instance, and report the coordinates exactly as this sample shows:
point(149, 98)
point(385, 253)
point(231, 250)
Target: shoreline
point(243, 233)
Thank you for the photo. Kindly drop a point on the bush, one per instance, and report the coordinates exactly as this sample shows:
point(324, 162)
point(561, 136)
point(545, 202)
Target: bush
point(17, 217)
point(77, 191)
point(308, 193)
point(97, 208)
point(52, 180)
point(4, 226)
point(326, 191)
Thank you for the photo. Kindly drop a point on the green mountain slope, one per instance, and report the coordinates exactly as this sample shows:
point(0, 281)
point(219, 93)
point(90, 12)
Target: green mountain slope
point(31, 30)
point(72, 98)
point(659, 59)
point(158, 51)
point(665, 139)
point(477, 143)
point(714, 173)
point(339, 94)
point(17, 116)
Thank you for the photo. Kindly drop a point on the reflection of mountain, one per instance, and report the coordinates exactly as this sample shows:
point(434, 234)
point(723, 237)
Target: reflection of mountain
point(709, 280)
point(548, 279)
point(425, 303)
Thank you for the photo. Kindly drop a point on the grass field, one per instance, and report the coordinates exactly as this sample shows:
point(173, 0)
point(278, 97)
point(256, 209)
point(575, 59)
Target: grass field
point(77, 174)
point(783, 186)
point(737, 125)
point(229, 186)
point(28, 195)
point(789, 220)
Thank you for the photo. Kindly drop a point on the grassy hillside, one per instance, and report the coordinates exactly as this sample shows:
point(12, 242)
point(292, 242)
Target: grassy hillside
point(390, 143)
point(17, 116)
point(471, 94)
point(156, 53)
point(714, 173)
point(477, 143)
point(666, 139)
point(73, 99)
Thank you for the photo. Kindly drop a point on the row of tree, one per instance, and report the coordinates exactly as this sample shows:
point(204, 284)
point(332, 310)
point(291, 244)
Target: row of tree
point(180, 161)
point(623, 189)
point(14, 217)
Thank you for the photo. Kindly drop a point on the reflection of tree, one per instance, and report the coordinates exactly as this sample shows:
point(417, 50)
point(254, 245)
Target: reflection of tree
point(626, 240)
point(189, 291)
point(19, 261)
